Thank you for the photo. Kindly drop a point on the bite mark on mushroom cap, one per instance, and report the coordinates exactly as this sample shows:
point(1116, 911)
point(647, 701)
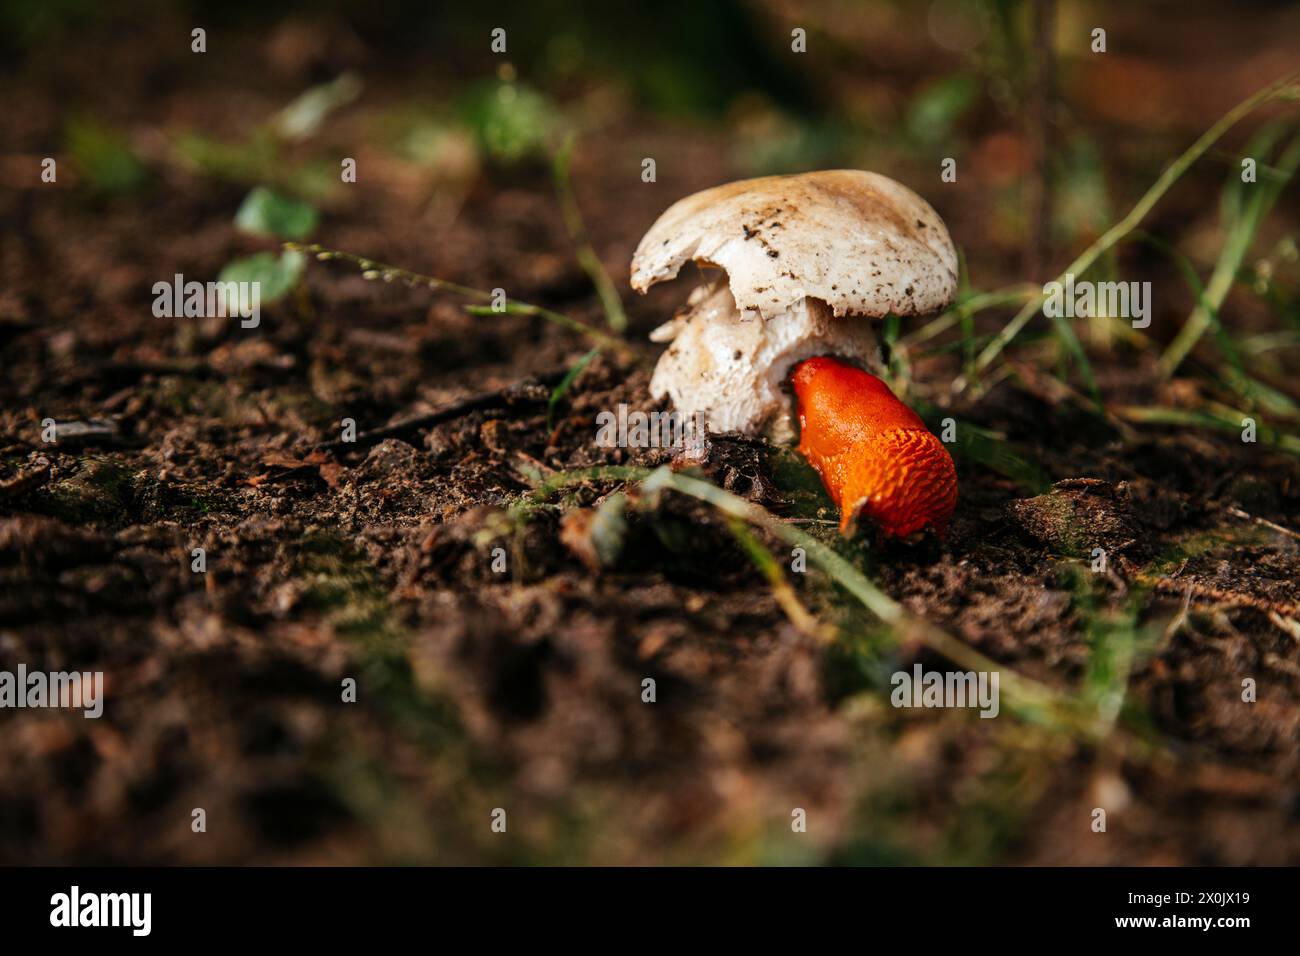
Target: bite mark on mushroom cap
point(858, 241)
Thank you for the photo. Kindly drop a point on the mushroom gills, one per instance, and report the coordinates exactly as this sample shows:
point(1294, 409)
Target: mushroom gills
point(732, 366)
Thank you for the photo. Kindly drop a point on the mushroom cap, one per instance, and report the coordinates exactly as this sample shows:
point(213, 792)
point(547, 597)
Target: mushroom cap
point(858, 241)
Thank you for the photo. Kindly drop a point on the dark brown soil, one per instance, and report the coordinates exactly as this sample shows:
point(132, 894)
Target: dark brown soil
point(522, 690)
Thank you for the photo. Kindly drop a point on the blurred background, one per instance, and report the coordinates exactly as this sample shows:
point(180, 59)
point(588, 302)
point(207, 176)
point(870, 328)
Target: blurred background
point(1053, 141)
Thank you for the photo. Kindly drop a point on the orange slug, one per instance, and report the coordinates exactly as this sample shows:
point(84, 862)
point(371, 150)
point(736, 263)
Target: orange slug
point(874, 454)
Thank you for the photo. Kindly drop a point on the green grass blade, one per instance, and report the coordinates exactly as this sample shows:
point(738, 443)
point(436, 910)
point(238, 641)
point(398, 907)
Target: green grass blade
point(1241, 233)
point(569, 377)
point(1108, 239)
point(606, 291)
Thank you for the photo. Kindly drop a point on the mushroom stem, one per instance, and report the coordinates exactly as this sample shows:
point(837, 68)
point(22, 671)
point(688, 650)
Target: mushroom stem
point(730, 366)
point(873, 453)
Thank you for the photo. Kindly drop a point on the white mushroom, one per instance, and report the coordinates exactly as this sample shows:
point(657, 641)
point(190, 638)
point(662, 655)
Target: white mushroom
point(810, 260)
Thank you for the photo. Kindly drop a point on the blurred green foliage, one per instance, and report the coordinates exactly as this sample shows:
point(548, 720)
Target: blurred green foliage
point(789, 145)
point(278, 274)
point(934, 111)
point(25, 22)
point(257, 160)
point(303, 117)
point(107, 164)
point(511, 122)
point(266, 212)
point(1082, 207)
point(236, 162)
point(674, 55)
point(265, 155)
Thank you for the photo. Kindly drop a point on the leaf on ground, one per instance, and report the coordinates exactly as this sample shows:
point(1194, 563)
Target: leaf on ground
point(330, 473)
point(266, 212)
point(595, 535)
point(303, 117)
point(277, 276)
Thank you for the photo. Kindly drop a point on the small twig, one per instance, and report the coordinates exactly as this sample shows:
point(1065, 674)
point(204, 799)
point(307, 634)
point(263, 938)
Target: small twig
point(1287, 624)
point(1217, 597)
point(24, 481)
point(1054, 391)
point(496, 399)
point(1238, 513)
